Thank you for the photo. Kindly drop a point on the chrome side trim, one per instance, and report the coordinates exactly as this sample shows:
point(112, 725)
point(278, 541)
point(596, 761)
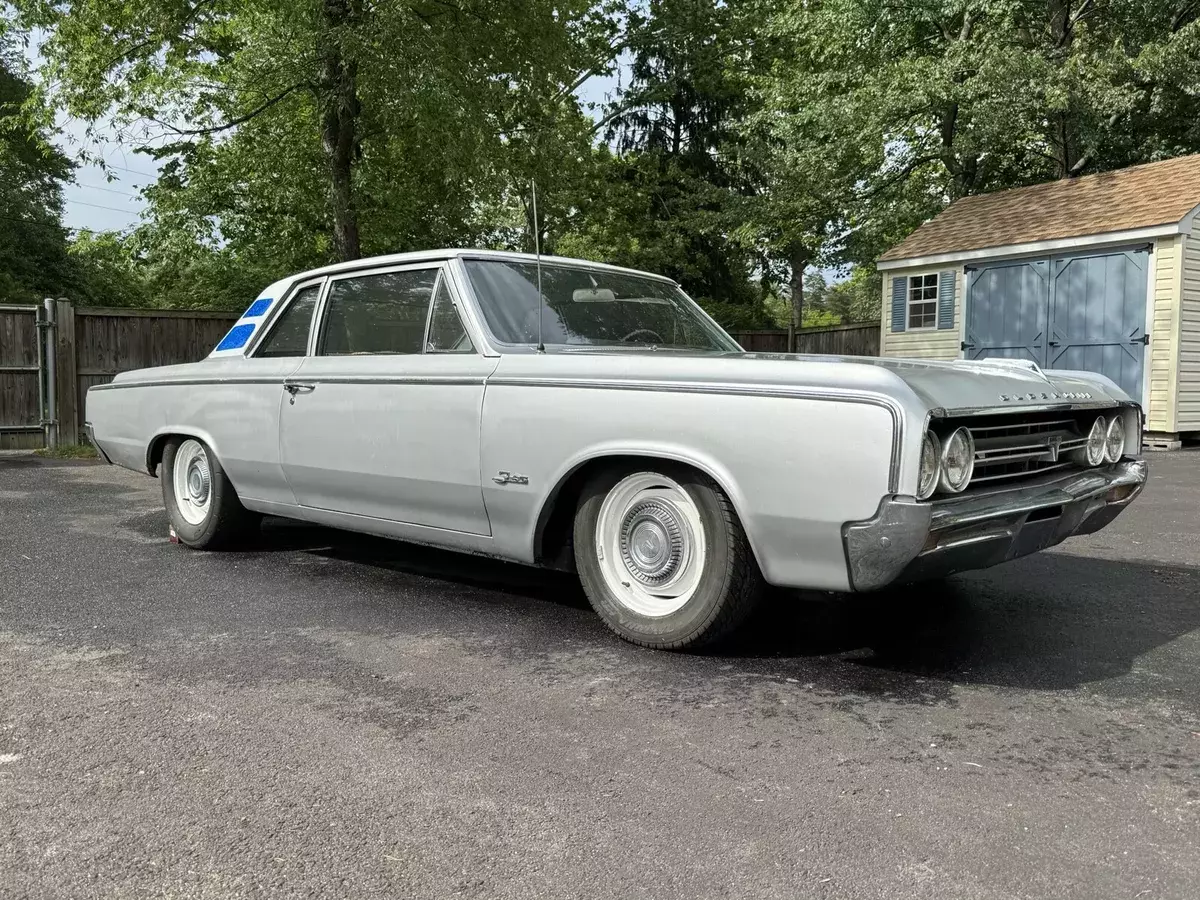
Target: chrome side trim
point(185, 382)
point(736, 390)
point(385, 379)
point(304, 379)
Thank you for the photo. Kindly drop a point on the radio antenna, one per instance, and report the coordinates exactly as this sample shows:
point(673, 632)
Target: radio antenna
point(537, 249)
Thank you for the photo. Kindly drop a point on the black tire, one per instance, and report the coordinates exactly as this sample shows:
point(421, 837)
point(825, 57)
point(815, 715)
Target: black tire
point(730, 586)
point(227, 523)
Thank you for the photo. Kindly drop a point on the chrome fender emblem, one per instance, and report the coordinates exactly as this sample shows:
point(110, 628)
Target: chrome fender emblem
point(510, 478)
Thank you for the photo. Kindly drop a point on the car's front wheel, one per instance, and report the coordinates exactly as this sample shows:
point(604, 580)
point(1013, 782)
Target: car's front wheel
point(663, 558)
point(202, 506)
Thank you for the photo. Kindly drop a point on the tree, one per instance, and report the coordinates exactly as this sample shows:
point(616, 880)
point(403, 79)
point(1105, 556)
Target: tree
point(926, 102)
point(667, 188)
point(33, 244)
point(317, 130)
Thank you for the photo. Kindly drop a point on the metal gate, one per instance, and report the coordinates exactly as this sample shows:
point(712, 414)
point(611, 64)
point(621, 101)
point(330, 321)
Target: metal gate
point(1084, 311)
point(27, 376)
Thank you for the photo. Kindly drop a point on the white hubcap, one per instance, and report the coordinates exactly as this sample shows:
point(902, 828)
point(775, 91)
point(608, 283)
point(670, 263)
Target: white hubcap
point(193, 482)
point(650, 544)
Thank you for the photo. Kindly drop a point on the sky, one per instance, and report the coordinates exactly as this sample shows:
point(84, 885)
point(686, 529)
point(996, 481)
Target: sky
point(92, 200)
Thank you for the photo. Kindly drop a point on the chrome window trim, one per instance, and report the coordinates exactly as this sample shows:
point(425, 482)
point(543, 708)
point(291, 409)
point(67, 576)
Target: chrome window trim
point(436, 266)
point(437, 283)
point(260, 335)
point(470, 308)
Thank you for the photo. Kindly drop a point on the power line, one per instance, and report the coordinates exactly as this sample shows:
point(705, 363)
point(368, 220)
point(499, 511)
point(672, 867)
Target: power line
point(108, 165)
point(96, 187)
point(100, 206)
point(61, 227)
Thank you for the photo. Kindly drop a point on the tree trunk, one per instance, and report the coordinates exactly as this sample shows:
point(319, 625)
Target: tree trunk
point(339, 130)
point(798, 260)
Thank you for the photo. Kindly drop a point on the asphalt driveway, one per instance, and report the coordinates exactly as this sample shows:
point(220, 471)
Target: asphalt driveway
point(332, 716)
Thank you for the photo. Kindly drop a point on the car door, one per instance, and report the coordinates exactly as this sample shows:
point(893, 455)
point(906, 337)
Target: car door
point(383, 419)
point(241, 409)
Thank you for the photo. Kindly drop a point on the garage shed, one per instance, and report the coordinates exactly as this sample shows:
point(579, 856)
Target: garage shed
point(1099, 273)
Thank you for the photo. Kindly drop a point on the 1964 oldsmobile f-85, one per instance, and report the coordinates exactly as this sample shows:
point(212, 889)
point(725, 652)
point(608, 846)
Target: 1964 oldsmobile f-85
point(606, 424)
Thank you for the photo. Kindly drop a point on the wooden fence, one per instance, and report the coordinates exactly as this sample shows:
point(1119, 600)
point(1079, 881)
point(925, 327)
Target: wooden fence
point(20, 377)
point(833, 340)
point(91, 345)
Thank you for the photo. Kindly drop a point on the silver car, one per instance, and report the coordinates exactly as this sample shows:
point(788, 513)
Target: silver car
point(580, 416)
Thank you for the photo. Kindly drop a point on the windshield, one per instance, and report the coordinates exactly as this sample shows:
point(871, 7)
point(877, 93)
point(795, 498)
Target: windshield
point(589, 307)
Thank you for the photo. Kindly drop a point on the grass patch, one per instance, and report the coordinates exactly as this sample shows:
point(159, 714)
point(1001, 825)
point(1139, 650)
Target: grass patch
point(69, 451)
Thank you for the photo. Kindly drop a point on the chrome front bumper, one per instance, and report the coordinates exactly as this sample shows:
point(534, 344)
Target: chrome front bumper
point(907, 540)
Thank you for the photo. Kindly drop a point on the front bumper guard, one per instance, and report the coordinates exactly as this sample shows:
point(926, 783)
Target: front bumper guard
point(907, 540)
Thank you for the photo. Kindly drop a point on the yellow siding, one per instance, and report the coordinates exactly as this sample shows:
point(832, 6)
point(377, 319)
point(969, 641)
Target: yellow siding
point(1164, 334)
point(1188, 390)
point(924, 344)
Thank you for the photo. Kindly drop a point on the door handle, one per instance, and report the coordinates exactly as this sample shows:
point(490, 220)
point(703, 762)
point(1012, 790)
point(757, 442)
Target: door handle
point(1144, 339)
point(1052, 343)
point(293, 388)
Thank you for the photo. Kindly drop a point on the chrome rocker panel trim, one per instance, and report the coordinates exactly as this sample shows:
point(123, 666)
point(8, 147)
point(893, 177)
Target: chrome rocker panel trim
point(907, 540)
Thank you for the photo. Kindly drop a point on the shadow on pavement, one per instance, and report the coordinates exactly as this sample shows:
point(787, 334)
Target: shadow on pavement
point(1051, 621)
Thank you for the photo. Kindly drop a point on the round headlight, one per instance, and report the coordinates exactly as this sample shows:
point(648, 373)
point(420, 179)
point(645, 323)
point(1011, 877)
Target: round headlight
point(958, 461)
point(1097, 438)
point(1114, 440)
point(931, 465)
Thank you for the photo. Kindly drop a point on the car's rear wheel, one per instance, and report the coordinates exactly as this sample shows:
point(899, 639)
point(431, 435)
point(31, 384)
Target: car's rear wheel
point(203, 508)
point(663, 558)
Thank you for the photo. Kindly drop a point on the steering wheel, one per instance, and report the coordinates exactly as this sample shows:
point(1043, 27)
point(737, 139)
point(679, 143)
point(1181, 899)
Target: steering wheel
point(649, 331)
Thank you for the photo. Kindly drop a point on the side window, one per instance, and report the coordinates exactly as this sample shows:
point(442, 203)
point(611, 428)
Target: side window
point(383, 313)
point(289, 334)
point(446, 332)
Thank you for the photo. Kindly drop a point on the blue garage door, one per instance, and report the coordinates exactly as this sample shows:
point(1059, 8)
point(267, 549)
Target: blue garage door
point(1084, 311)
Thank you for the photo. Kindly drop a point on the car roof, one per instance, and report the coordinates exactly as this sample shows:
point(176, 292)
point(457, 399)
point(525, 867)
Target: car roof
point(397, 259)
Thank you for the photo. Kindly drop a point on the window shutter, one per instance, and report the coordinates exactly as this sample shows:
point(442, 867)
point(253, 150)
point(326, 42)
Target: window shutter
point(946, 284)
point(899, 302)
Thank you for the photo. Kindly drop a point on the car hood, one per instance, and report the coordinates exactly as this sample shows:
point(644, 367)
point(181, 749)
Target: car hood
point(973, 384)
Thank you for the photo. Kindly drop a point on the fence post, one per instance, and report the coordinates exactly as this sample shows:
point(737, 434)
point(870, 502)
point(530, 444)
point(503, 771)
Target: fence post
point(47, 336)
point(66, 374)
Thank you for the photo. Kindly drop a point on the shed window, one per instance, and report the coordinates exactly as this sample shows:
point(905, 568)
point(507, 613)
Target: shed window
point(922, 301)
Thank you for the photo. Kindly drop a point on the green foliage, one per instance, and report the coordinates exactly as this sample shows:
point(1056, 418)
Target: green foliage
point(33, 243)
point(68, 451)
point(748, 144)
point(921, 103)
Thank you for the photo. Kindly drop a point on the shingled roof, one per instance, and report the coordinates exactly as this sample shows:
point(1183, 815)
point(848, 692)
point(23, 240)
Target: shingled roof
point(1159, 193)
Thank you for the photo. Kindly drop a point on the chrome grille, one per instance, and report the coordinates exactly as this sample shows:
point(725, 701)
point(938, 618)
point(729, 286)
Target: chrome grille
point(1014, 446)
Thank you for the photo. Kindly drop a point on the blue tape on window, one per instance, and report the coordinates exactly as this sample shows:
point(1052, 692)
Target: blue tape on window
point(257, 308)
point(237, 337)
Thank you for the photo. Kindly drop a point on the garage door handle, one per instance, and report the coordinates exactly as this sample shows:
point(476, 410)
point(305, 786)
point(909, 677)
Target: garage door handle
point(1144, 339)
point(967, 346)
point(1052, 343)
